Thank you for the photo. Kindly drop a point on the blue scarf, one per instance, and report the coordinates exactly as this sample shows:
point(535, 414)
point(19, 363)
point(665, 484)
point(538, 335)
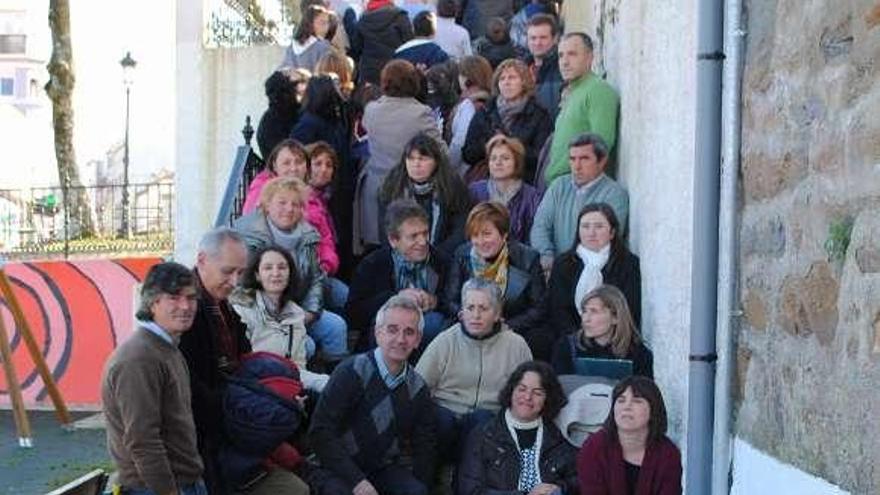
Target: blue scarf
point(408, 274)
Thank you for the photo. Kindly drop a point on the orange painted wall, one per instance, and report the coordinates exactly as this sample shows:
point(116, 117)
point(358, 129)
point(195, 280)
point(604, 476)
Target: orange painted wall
point(79, 311)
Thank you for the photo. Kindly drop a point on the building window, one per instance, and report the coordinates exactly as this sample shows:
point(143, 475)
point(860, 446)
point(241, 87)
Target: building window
point(12, 43)
point(7, 86)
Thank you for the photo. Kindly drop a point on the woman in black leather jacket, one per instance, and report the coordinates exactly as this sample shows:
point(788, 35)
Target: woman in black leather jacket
point(521, 451)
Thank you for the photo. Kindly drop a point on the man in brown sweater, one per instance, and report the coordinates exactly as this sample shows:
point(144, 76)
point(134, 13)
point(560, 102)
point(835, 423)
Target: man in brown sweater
point(151, 435)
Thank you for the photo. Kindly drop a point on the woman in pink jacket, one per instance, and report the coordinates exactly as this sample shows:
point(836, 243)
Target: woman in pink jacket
point(291, 159)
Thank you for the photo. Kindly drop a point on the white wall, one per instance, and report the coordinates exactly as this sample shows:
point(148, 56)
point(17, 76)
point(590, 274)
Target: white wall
point(216, 89)
point(756, 472)
point(650, 57)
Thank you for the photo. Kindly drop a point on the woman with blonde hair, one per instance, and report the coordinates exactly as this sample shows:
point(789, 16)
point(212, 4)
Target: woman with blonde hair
point(280, 220)
point(607, 332)
point(512, 111)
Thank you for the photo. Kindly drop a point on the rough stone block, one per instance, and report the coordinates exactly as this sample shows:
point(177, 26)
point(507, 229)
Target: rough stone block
point(826, 150)
point(765, 176)
point(865, 243)
point(837, 41)
point(872, 18)
point(868, 259)
point(766, 237)
point(809, 304)
point(755, 310)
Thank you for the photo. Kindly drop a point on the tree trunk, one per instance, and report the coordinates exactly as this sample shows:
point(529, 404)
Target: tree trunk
point(60, 91)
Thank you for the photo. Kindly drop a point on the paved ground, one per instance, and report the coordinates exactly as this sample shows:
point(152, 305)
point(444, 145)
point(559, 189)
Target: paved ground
point(58, 455)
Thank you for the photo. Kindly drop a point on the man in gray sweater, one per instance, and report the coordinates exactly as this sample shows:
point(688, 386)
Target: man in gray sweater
point(146, 392)
point(555, 228)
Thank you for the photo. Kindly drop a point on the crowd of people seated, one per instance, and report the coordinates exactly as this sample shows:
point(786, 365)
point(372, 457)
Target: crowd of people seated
point(430, 267)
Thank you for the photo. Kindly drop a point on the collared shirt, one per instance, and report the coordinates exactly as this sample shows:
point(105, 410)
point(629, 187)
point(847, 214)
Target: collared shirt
point(390, 380)
point(580, 190)
point(155, 329)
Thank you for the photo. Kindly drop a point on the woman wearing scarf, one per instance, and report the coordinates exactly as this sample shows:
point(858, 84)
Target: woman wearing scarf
point(513, 111)
point(423, 175)
point(505, 185)
point(514, 267)
point(599, 256)
point(521, 450)
point(280, 220)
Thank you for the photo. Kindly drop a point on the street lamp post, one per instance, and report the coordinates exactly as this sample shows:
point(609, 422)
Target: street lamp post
point(128, 64)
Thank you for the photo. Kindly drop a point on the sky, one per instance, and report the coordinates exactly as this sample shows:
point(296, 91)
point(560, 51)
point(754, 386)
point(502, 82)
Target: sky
point(102, 32)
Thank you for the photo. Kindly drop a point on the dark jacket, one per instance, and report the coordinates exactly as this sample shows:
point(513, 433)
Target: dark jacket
point(275, 126)
point(531, 126)
point(522, 207)
point(623, 273)
point(601, 470)
point(490, 464)
point(475, 14)
point(377, 34)
point(549, 83)
point(524, 298)
point(257, 419)
point(374, 283)
point(201, 347)
point(495, 53)
point(568, 348)
point(361, 426)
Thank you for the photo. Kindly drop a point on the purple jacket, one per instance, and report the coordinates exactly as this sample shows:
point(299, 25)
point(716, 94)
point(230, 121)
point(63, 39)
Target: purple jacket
point(522, 207)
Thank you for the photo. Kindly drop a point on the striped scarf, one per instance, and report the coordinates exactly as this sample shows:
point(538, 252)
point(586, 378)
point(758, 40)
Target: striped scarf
point(408, 274)
point(495, 271)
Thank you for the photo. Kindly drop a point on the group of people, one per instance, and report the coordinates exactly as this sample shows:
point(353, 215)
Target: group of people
point(433, 242)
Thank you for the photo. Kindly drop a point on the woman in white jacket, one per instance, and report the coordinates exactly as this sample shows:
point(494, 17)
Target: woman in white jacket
point(275, 323)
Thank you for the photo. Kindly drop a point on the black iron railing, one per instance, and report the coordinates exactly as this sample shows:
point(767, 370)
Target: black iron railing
point(246, 166)
point(36, 221)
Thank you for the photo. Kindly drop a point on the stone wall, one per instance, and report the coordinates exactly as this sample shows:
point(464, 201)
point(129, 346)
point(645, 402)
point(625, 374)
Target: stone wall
point(809, 342)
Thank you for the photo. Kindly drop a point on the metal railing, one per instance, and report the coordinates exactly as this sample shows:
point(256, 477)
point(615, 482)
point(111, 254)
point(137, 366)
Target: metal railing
point(237, 23)
point(36, 222)
point(246, 166)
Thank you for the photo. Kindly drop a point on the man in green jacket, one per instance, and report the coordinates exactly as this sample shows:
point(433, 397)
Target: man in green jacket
point(589, 104)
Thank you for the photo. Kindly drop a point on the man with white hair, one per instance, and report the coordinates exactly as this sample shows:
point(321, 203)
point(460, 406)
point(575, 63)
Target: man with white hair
point(376, 412)
point(213, 349)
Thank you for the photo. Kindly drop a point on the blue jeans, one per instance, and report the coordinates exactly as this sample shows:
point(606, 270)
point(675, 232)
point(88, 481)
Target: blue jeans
point(330, 333)
point(197, 488)
point(453, 430)
point(335, 294)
